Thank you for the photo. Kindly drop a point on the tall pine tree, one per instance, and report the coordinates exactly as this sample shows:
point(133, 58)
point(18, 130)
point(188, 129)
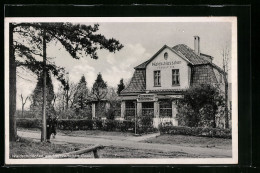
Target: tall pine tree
point(28, 40)
point(99, 89)
point(120, 86)
point(81, 94)
point(37, 99)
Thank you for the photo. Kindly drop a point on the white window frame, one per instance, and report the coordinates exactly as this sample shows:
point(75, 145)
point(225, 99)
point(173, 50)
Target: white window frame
point(157, 78)
point(175, 77)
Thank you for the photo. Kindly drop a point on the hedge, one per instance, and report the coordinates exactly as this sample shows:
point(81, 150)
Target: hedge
point(196, 131)
point(28, 122)
point(81, 124)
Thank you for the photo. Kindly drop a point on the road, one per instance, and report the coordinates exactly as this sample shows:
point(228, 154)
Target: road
point(132, 142)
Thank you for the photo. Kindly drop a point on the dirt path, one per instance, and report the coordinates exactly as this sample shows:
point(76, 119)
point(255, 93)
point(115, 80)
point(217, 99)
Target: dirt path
point(129, 142)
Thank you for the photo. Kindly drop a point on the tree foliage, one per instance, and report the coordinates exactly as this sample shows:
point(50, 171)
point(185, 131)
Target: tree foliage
point(37, 99)
point(120, 86)
point(77, 39)
point(65, 97)
point(26, 47)
point(200, 106)
point(99, 89)
point(81, 94)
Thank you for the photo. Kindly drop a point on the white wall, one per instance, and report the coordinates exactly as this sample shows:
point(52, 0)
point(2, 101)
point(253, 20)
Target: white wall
point(166, 71)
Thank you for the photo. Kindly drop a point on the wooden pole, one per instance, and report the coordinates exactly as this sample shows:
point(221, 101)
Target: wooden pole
point(43, 134)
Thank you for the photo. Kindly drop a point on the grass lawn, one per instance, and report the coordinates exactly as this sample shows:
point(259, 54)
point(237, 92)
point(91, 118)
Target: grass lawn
point(120, 152)
point(192, 141)
point(182, 140)
point(27, 148)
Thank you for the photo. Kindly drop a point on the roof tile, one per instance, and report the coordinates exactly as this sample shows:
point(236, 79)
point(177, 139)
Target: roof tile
point(201, 74)
point(190, 54)
point(137, 83)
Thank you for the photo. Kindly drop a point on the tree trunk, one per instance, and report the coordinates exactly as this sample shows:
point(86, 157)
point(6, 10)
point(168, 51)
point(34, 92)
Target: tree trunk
point(22, 110)
point(226, 103)
point(67, 99)
point(12, 87)
point(43, 134)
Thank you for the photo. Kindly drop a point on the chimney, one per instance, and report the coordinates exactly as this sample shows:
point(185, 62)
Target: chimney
point(197, 45)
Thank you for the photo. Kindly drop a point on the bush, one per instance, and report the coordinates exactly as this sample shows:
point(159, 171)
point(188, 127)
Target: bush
point(85, 113)
point(195, 131)
point(110, 125)
point(81, 124)
point(200, 105)
point(28, 122)
point(74, 124)
point(98, 124)
point(126, 125)
point(145, 125)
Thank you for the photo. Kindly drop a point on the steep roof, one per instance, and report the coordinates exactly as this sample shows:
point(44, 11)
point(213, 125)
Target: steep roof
point(203, 74)
point(137, 83)
point(144, 64)
point(190, 54)
point(185, 52)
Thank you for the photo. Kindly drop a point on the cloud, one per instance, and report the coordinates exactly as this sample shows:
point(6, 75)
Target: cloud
point(122, 63)
point(25, 84)
point(84, 69)
point(130, 54)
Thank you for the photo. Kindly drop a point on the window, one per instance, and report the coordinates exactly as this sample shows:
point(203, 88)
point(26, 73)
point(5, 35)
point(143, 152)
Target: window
point(157, 78)
point(165, 55)
point(175, 77)
point(165, 108)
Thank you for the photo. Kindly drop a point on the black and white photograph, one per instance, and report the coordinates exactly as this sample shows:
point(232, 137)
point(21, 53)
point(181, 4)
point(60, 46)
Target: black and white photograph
point(121, 90)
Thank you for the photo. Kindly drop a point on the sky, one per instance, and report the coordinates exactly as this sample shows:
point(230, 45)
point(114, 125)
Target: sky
point(141, 41)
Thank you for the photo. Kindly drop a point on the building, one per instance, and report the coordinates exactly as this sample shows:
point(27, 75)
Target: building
point(158, 83)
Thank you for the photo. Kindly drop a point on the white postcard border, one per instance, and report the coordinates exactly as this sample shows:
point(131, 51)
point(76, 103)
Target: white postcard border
point(233, 160)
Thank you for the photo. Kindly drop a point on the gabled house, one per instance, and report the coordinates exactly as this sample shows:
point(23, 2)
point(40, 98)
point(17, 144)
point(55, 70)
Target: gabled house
point(158, 83)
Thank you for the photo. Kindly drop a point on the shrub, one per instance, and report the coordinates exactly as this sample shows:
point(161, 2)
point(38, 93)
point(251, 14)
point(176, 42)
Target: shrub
point(85, 113)
point(126, 125)
point(195, 131)
point(200, 105)
point(28, 123)
point(81, 124)
point(97, 124)
point(145, 124)
point(74, 124)
point(110, 125)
